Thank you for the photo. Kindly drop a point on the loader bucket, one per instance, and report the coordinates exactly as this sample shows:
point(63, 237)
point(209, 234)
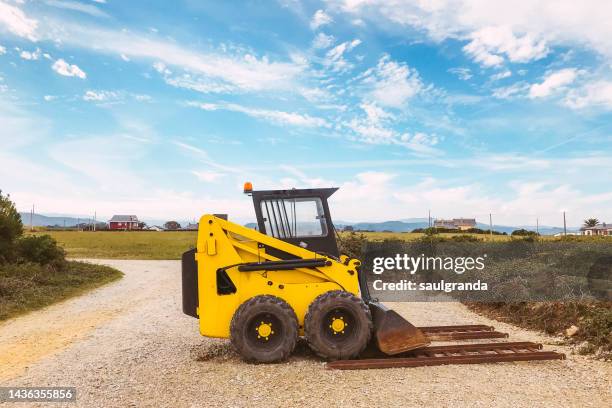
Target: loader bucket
point(393, 333)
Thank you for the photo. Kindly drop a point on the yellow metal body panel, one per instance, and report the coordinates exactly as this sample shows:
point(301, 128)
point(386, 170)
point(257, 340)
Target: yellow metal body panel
point(223, 243)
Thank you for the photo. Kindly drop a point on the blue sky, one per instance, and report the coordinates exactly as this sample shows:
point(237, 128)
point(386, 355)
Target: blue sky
point(164, 109)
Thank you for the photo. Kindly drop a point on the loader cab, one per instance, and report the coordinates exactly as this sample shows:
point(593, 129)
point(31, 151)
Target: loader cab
point(298, 216)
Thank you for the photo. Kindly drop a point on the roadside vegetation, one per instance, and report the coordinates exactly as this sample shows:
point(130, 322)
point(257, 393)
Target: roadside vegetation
point(584, 324)
point(587, 325)
point(34, 271)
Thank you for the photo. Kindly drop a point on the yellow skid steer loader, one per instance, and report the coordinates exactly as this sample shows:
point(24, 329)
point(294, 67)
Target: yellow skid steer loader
point(264, 288)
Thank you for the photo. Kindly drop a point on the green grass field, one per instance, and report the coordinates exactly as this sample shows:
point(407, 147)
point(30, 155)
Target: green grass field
point(160, 245)
point(170, 245)
point(124, 245)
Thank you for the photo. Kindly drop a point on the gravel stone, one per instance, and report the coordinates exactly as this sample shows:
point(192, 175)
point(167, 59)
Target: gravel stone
point(129, 344)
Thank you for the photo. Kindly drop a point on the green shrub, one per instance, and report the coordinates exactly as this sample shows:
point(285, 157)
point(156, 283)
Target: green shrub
point(11, 227)
point(352, 244)
point(524, 233)
point(40, 249)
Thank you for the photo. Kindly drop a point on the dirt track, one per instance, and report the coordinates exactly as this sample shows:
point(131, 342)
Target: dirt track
point(128, 344)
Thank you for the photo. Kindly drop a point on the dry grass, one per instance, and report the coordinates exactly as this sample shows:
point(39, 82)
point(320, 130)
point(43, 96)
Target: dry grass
point(593, 320)
point(30, 286)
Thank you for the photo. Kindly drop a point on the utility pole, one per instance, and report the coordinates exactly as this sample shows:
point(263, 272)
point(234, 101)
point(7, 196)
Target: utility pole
point(538, 226)
point(31, 219)
point(95, 216)
point(429, 219)
point(491, 226)
point(564, 225)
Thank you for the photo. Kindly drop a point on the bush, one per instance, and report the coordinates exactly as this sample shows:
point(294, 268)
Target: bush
point(11, 227)
point(41, 249)
point(524, 233)
point(437, 230)
point(351, 245)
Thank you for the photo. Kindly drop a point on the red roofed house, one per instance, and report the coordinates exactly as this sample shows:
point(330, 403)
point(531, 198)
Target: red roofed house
point(123, 222)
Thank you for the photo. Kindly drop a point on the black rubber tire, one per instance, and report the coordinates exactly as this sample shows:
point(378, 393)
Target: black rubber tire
point(344, 346)
point(246, 343)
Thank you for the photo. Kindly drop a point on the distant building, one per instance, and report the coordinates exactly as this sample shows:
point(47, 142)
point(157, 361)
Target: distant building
point(155, 228)
point(562, 234)
point(456, 223)
point(191, 227)
point(599, 229)
point(124, 222)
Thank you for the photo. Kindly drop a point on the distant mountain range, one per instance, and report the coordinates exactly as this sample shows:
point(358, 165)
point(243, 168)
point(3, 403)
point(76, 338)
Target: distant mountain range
point(405, 225)
point(39, 220)
point(411, 224)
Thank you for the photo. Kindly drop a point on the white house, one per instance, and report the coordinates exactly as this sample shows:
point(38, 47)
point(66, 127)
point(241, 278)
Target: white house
point(599, 229)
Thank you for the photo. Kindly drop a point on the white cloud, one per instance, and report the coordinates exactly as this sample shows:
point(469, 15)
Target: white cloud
point(372, 133)
point(392, 83)
point(420, 143)
point(273, 116)
point(2, 50)
point(76, 6)
point(501, 75)
point(15, 21)
point(315, 94)
point(553, 82)
point(49, 98)
point(63, 68)
point(488, 44)
point(593, 94)
point(376, 128)
point(125, 57)
point(30, 55)
point(303, 179)
point(334, 58)
point(374, 113)
point(143, 97)
point(371, 189)
point(199, 83)
point(161, 68)
point(521, 30)
point(506, 92)
point(100, 96)
point(463, 73)
point(228, 68)
point(237, 70)
point(319, 19)
point(323, 41)
point(207, 175)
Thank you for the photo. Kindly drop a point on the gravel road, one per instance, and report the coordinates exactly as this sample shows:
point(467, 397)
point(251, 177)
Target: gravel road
point(128, 344)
